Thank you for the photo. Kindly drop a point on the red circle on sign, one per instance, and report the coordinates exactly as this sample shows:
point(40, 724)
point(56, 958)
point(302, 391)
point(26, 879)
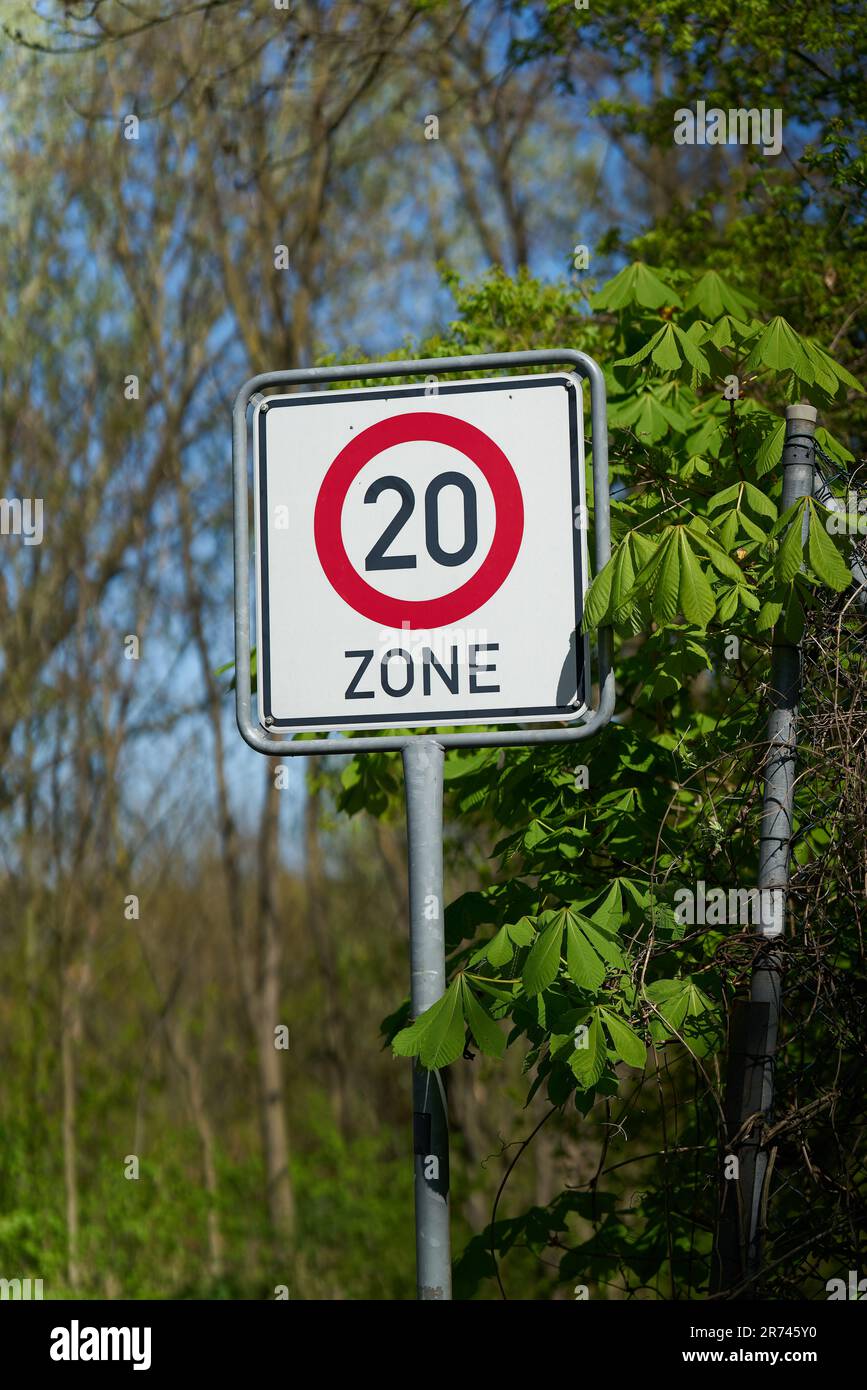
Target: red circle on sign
point(509, 528)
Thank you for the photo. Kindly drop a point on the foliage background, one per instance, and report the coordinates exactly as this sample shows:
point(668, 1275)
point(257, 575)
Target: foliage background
point(153, 1036)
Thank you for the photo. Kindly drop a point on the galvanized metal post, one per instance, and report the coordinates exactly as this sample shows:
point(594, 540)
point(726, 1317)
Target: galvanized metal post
point(423, 772)
point(750, 1090)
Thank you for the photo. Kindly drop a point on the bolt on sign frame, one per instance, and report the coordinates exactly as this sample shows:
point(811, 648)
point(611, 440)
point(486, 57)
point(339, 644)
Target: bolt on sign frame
point(423, 754)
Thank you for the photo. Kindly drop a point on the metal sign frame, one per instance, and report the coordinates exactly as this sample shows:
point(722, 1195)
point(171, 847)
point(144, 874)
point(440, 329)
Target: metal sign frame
point(587, 724)
point(423, 755)
point(274, 715)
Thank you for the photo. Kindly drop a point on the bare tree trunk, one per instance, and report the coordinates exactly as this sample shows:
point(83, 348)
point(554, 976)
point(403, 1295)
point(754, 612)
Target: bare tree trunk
point(69, 1031)
point(392, 848)
point(259, 981)
point(544, 1168)
point(192, 1072)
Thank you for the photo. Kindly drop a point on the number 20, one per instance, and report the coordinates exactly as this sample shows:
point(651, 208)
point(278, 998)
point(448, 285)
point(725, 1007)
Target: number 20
point(377, 559)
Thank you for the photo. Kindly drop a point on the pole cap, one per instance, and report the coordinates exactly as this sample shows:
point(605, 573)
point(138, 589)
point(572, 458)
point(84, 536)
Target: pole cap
point(802, 411)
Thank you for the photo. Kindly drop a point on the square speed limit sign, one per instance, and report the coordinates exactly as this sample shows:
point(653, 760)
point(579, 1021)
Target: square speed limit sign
point(421, 555)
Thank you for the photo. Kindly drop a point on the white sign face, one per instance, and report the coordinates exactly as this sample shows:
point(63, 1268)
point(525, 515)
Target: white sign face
point(421, 555)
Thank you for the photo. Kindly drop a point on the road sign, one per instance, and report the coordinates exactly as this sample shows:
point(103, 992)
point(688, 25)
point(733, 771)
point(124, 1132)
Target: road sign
point(421, 555)
point(489, 480)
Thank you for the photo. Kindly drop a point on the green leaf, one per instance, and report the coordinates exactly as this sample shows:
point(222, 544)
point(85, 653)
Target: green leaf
point(678, 1000)
point(823, 555)
point(488, 1036)
point(521, 932)
point(502, 994)
point(780, 348)
point(599, 597)
point(543, 962)
point(609, 912)
point(770, 450)
point(691, 351)
point(584, 965)
point(637, 552)
point(696, 596)
point(636, 284)
point(832, 368)
point(536, 832)
point(626, 1043)
point(722, 563)
point(665, 353)
point(604, 943)
point(824, 375)
point(646, 349)
point(727, 528)
point(591, 951)
point(781, 525)
point(714, 296)
point(644, 548)
point(672, 665)
point(754, 532)
point(437, 1036)
point(730, 331)
point(721, 499)
point(793, 617)
point(558, 1042)
point(649, 417)
point(623, 574)
point(589, 1061)
point(761, 505)
point(672, 1001)
point(768, 615)
point(727, 604)
point(790, 556)
point(832, 446)
point(500, 948)
point(666, 587)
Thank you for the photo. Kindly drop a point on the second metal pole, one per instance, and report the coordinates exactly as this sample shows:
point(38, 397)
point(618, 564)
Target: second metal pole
point(423, 773)
point(753, 1043)
point(776, 828)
